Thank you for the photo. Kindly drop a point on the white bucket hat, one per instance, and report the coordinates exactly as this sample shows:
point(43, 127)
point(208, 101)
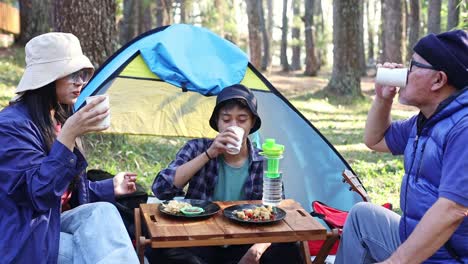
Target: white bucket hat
point(49, 57)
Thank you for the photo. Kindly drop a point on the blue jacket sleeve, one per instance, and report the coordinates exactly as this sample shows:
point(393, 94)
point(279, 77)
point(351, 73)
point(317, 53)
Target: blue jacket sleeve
point(101, 190)
point(32, 177)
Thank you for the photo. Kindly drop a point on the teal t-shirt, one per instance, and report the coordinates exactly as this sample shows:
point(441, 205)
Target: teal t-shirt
point(230, 181)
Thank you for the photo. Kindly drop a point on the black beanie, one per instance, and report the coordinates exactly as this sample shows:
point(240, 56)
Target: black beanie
point(447, 52)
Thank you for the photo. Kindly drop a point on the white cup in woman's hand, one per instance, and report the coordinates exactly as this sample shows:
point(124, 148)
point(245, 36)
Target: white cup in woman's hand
point(101, 106)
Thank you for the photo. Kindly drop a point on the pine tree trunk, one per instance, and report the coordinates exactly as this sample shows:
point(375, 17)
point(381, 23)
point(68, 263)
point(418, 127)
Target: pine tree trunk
point(311, 62)
point(453, 14)
point(361, 48)
point(413, 27)
point(266, 56)
point(163, 12)
point(36, 18)
point(319, 34)
point(296, 37)
point(345, 79)
point(127, 25)
point(370, 34)
point(391, 31)
point(93, 22)
point(284, 38)
point(183, 12)
point(145, 20)
point(255, 41)
point(433, 17)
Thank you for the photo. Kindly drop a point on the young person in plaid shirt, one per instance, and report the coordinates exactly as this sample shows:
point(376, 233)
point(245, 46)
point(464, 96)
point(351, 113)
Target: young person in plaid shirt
point(213, 174)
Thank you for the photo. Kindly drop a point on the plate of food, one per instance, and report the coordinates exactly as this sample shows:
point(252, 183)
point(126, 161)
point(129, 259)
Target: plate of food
point(189, 208)
point(254, 213)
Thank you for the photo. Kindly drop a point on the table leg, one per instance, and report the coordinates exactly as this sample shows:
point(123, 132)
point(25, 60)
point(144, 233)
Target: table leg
point(140, 248)
point(305, 253)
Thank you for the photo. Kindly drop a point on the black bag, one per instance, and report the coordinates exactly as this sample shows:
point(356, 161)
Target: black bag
point(125, 203)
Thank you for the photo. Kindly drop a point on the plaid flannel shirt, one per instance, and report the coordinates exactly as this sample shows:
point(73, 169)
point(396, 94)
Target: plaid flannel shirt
point(202, 184)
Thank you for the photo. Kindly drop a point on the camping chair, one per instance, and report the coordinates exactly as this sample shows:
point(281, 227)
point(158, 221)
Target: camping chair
point(335, 219)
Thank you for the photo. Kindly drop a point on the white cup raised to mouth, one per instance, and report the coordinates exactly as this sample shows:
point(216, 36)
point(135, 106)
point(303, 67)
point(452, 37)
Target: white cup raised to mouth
point(392, 77)
point(102, 105)
point(235, 149)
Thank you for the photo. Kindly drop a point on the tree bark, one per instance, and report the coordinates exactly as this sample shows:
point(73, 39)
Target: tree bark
point(361, 48)
point(319, 33)
point(370, 34)
point(296, 37)
point(267, 31)
point(345, 79)
point(413, 27)
point(391, 31)
point(311, 62)
point(93, 22)
point(284, 38)
point(183, 11)
point(453, 14)
point(255, 41)
point(163, 12)
point(36, 19)
point(433, 17)
point(145, 20)
point(128, 24)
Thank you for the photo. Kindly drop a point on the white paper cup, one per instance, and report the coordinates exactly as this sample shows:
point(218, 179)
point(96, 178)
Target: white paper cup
point(235, 149)
point(102, 105)
point(392, 77)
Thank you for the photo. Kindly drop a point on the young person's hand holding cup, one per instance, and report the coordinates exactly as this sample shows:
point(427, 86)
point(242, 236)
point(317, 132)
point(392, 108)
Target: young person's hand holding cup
point(227, 141)
point(234, 149)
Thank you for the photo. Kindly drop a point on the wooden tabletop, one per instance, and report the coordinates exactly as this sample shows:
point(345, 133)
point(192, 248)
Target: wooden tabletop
point(167, 231)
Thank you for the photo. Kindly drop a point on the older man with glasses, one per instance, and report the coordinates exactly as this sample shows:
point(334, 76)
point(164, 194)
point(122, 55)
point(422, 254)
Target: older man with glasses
point(433, 226)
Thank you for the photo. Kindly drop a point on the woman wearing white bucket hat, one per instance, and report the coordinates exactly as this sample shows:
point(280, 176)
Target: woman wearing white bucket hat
point(41, 165)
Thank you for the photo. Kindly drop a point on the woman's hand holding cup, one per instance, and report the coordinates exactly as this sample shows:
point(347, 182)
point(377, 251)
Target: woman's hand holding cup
point(87, 119)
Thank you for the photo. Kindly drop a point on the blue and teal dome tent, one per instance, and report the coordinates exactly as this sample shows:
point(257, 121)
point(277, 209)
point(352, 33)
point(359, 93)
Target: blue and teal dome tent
point(164, 83)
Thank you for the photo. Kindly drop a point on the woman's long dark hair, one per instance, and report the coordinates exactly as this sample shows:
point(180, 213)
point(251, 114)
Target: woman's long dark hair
point(40, 102)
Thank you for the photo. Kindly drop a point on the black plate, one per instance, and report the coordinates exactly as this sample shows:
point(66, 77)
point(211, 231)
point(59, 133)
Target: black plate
point(209, 207)
point(279, 213)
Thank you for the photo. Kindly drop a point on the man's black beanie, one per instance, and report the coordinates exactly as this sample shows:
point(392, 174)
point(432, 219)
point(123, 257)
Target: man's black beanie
point(447, 52)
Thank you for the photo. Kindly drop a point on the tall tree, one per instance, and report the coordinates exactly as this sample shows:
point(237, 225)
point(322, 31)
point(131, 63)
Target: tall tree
point(296, 36)
point(255, 35)
point(163, 12)
point(320, 35)
point(128, 26)
point(370, 33)
point(183, 5)
point(453, 13)
point(35, 19)
point(284, 38)
point(413, 27)
point(346, 76)
point(93, 22)
point(391, 31)
point(220, 15)
point(267, 31)
point(361, 48)
point(311, 62)
point(145, 18)
point(433, 17)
